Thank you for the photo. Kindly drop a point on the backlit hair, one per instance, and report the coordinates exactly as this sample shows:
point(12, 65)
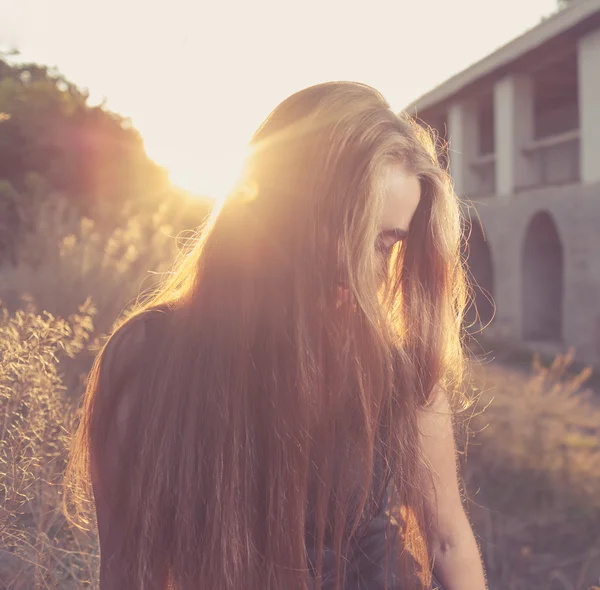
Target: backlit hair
point(269, 402)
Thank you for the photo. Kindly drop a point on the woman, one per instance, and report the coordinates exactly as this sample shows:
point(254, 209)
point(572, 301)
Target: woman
point(259, 422)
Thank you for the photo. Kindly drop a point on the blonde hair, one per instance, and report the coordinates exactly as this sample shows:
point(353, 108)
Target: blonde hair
point(270, 401)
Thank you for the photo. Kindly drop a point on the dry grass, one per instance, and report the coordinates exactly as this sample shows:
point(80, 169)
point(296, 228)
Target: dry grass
point(533, 475)
point(38, 547)
point(68, 268)
point(533, 457)
point(64, 259)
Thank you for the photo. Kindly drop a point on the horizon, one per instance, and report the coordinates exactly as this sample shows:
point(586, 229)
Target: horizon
point(200, 79)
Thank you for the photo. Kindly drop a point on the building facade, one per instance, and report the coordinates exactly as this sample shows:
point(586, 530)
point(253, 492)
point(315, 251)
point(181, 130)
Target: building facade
point(522, 128)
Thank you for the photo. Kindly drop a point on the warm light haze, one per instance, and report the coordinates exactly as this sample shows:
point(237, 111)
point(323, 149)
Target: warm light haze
point(196, 78)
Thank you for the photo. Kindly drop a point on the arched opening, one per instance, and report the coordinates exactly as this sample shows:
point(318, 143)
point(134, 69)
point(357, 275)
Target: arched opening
point(481, 276)
point(542, 295)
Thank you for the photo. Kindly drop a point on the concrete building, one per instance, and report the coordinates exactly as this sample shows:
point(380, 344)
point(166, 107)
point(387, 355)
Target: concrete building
point(523, 132)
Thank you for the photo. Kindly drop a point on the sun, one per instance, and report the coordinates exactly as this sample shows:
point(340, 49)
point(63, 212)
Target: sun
point(212, 179)
point(214, 185)
point(201, 155)
point(200, 172)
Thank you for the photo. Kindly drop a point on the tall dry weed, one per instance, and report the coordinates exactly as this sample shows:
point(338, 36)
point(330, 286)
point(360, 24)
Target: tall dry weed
point(533, 472)
point(533, 462)
point(64, 259)
point(38, 547)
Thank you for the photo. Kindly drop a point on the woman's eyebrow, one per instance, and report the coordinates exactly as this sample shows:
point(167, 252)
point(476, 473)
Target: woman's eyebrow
point(396, 233)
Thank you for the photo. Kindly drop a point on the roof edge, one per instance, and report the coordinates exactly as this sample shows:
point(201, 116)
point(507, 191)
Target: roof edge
point(558, 23)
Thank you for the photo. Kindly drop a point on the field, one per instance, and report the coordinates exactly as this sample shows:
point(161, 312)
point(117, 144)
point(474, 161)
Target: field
point(532, 473)
point(530, 445)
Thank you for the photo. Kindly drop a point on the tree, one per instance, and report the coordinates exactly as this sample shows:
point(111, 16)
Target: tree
point(88, 153)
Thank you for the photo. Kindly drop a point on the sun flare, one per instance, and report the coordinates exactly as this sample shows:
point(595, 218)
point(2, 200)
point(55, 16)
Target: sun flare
point(215, 182)
point(202, 174)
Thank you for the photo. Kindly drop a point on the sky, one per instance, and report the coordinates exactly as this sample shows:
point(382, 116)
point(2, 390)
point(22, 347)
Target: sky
point(197, 78)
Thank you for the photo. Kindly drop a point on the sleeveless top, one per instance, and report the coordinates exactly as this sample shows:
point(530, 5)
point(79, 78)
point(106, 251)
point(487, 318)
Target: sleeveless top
point(367, 565)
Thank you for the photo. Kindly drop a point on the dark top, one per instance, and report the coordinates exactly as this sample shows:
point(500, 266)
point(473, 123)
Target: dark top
point(367, 558)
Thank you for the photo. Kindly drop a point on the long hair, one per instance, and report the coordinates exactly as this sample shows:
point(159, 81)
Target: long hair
point(271, 401)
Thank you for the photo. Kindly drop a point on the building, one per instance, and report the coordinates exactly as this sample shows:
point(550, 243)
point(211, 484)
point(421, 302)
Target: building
point(523, 132)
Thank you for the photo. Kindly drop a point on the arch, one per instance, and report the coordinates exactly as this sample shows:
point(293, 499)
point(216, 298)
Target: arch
point(480, 270)
point(542, 284)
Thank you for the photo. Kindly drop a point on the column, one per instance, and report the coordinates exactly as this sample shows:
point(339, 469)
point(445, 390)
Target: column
point(462, 144)
point(589, 106)
point(513, 130)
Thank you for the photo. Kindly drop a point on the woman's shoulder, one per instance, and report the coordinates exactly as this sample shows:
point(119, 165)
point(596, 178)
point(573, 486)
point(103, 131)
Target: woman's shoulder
point(134, 333)
point(130, 353)
point(133, 344)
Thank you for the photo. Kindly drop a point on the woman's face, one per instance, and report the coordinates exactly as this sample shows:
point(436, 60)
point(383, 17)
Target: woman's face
point(402, 194)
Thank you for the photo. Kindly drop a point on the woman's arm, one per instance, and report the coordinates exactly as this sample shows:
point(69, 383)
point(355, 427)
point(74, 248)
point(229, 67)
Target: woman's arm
point(457, 562)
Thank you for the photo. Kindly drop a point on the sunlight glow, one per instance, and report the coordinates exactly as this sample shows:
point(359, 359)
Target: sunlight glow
point(200, 77)
point(214, 178)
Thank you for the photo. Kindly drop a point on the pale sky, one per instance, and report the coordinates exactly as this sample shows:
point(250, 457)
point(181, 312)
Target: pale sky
point(197, 77)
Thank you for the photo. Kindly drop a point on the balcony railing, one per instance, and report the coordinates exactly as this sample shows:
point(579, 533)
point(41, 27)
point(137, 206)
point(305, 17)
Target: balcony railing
point(483, 179)
point(554, 160)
